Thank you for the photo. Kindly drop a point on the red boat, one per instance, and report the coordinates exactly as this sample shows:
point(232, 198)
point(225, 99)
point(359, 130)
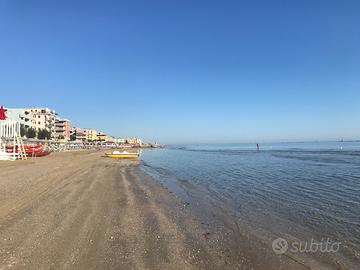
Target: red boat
point(30, 150)
point(39, 154)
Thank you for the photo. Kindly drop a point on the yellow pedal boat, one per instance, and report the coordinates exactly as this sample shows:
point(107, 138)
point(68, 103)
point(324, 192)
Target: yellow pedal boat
point(117, 154)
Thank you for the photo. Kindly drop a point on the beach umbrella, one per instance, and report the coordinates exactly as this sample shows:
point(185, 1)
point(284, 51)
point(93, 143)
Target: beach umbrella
point(2, 113)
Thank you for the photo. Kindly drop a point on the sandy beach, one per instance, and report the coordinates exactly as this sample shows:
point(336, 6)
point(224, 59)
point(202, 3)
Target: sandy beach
point(79, 210)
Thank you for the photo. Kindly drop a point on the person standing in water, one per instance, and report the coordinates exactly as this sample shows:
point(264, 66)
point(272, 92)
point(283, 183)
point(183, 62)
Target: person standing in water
point(257, 147)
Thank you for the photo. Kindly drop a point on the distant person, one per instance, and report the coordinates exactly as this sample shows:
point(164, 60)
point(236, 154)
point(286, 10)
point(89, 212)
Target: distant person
point(257, 147)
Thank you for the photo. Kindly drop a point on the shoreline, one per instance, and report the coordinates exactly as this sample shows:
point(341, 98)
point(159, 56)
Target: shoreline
point(256, 225)
point(78, 210)
point(249, 240)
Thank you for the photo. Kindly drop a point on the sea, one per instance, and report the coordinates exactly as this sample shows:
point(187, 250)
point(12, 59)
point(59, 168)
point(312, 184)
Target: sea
point(298, 191)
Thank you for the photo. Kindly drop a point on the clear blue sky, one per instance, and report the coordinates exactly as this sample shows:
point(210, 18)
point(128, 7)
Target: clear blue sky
point(187, 71)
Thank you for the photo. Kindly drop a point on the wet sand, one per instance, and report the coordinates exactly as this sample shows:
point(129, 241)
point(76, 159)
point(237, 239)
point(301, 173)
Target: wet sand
point(79, 210)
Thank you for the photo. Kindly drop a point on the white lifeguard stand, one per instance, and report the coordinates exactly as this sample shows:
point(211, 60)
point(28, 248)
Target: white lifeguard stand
point(10, 132)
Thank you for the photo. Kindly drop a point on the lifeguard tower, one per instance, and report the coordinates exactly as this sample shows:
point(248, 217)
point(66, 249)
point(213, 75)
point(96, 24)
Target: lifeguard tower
point(10, 135)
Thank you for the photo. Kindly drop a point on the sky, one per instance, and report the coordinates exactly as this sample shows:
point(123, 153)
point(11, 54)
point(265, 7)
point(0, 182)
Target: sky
point(187, 71)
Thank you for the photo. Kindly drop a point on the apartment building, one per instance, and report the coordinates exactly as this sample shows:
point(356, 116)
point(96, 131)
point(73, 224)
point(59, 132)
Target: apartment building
point(80, 133)
point(62, 129)
point(23, 116)
point(102, 137)
point(120, 141)
point(43, 118)
point(134, 141)
point(91, 135)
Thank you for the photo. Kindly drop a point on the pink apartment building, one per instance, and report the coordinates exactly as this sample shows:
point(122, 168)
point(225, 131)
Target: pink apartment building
point(62, 129)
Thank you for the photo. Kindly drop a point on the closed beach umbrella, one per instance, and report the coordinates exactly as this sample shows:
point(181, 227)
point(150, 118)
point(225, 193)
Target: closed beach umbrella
point(2, 113)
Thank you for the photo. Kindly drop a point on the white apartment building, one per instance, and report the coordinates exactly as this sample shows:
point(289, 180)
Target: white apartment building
point(134, 141)
point(23, 116)
point(120, 141)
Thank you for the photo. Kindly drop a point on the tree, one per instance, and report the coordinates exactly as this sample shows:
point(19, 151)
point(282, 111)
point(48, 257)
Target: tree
point(72, 137)
point(44, 134)
point(22, 130)
point(30, 133)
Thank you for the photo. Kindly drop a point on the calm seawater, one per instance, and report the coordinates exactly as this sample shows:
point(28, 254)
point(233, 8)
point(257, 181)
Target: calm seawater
point(306, 190)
